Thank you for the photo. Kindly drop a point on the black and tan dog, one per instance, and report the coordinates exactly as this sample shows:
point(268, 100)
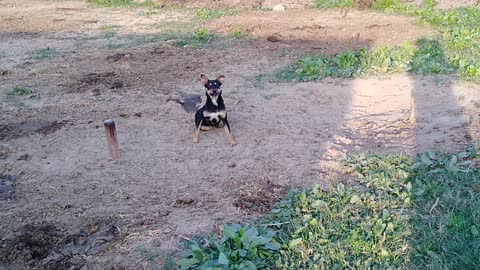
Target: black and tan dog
point(213, 113)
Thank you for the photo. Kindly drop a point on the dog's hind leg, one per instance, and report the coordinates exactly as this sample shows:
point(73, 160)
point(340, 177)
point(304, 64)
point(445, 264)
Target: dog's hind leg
point(196, 136)
point(228, 132)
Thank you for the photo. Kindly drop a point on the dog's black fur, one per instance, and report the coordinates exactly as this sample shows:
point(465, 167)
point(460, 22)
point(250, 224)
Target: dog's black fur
point(213, 113)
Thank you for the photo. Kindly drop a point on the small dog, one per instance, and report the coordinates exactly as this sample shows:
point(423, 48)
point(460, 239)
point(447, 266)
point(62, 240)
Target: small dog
point(213, 113)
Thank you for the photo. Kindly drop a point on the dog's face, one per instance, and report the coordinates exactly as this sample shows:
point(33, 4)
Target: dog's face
point(212, 86)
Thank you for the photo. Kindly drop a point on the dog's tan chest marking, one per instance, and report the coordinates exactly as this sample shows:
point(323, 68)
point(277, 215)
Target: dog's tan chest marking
point(214, 116)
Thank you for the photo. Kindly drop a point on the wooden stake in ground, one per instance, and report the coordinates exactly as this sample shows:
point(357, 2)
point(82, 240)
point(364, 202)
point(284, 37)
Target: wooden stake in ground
point(112, 139)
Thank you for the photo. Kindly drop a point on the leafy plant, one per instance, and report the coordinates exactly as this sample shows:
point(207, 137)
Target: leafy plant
point(211, 13)
point(238, 32)
point(21, 91)
point(400, 213)
point(202, 35)
point(238, 248)
point(333, 3)
point(447, 213)
point(46, 53)
point(123, 3)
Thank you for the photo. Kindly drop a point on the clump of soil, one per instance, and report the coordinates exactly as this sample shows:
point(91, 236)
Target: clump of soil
point(47, 246)
point(109, 80)
point(259, 198)
point(17, 130)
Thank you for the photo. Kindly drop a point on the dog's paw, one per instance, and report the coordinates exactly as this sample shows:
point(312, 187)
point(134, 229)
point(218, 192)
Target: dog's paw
point(232, 142)
point(195, 140)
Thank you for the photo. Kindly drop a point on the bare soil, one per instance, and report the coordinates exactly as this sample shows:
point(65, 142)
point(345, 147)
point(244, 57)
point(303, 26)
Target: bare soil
point(64, 205)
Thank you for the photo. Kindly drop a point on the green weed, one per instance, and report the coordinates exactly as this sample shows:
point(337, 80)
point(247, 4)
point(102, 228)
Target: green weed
point(401, 213)
point(238, 248)
point(211, 13)
point(447, 213)
point(47, 53)
point(427, 57)
point(333, 3)
point(202, 35)
point(238, 32)
point(123, 3)
point(455, 47)
point(21, 91)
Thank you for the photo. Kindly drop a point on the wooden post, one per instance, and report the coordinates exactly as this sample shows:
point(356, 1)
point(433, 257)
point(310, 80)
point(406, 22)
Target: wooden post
point(112, 139)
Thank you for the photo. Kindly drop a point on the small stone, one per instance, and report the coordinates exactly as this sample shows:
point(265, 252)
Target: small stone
point(138, 114)
point(278, 7)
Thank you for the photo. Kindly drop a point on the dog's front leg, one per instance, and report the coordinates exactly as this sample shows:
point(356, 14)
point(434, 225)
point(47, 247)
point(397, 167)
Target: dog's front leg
point(228, 132)
point(196, 136)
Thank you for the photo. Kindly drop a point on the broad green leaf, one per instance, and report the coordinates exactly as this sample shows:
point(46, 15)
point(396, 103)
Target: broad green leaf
point(229, 232)
point(248, 265)
point(474, 230)
point(273, 246)
point(222, 259)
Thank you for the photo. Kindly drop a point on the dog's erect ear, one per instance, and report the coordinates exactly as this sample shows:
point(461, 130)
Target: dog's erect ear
point(203, 79)
point(221, 79)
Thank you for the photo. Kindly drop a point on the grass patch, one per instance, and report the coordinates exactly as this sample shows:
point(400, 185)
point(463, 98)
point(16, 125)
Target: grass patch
point(123, 3)
point(238, 32)
point(22, 92)
point(400, 213)
point(197, 38)
point(110, 30)
point(333, 3)
point(426, 57)
point(454, 48)
point(212, 13)
point(47, 53)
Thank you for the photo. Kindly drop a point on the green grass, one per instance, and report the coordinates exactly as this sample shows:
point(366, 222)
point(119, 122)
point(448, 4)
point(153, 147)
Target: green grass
point(17, 95)
point(455, 48)
point(123, 3)
point(333, 3)
point(398, 213)
point(447, 214)
point(110, 30)
point(197, 38)
point(238, 32)
point(47, 53)
point(212, 13)
point(426, 57)
point(21, 91)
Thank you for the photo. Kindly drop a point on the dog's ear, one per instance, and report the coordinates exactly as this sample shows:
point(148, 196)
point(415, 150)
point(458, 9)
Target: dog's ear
point(221, 79)
point(203, 79)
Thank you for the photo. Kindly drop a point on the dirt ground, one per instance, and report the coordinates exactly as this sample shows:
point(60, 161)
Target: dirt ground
point(64, 205)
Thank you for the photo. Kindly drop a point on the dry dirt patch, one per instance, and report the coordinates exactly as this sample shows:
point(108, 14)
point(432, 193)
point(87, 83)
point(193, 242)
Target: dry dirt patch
point(324, 29)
